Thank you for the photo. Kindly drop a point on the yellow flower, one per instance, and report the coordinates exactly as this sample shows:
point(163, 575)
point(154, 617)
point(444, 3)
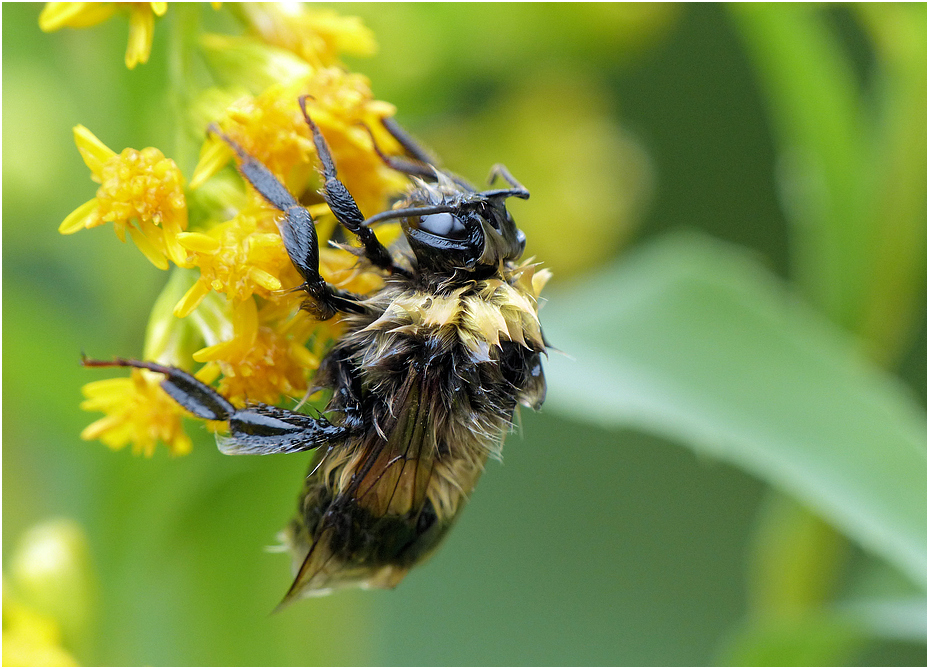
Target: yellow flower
point(240, 258)
point(137, 411)
point(341, 104)
point(271, 128)
point(268, 127)
point(57, 15)
point(267, 356)
point(318, 36)
point(140, 187)
point(255, 343)
point(31, 639)
point(245, 256)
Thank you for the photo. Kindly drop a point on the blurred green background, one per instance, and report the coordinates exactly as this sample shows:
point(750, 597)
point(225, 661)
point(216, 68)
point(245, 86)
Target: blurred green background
point(731, 465)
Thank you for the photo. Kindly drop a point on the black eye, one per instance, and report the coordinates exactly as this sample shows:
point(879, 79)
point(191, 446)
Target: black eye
point(443, 225)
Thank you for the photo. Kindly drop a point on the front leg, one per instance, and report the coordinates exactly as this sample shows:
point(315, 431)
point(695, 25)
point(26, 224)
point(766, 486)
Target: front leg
point(299, 234)
point(418, 153)
point(343, 205)
point(259, 429)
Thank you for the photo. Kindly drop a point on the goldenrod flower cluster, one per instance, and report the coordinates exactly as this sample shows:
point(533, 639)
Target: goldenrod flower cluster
point(139, 191)
point(241, 310)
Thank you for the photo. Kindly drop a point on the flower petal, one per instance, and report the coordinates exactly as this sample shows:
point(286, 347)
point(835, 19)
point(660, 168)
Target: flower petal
point(99, 426)
point(213, 157)
point(198, 242)
point(175, 250)
point(94, 152)
point(150, 250)
point(263, 278)
point(80, 218)
point(57, 15)
point(220, 351)
point(192, 298)
point(141, 32)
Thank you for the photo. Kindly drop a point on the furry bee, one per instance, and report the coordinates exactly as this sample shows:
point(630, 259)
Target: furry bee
point(425, 380)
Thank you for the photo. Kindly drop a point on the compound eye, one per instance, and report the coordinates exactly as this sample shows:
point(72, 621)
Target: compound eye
point(445, 225)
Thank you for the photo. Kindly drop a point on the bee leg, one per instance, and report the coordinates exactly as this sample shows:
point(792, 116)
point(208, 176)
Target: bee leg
point(346, 386)
point(298, 231)
point(417, 168)
point(259, 429)
point(415, 151)
point(408, 143)
point(343, 205)
point(516, 190)
point(262, 429)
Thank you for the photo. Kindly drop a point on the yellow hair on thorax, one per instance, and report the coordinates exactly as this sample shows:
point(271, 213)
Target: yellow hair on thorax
point(481, 314)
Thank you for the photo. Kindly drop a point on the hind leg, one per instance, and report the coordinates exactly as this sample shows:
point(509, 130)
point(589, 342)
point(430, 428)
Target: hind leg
point(259, 429)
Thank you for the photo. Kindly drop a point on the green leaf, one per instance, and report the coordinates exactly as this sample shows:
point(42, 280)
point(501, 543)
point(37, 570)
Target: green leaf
point(826, 637)
point(897, 260)
point(694, 340)
point(852, 159)
point(816, 639)
point(901, 618)
point(814, 103)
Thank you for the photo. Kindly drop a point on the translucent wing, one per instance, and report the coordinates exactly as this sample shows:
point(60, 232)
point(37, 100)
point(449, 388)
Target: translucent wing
point(379, 523)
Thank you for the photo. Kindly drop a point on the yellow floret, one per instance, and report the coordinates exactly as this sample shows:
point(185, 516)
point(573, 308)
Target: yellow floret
point(137, 411)
point(141, 192)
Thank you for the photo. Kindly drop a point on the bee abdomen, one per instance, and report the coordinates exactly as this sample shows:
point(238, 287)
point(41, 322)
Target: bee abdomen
point(360, 537)
point(338, 543)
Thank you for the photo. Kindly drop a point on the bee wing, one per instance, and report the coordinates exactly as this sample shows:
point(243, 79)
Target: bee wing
point(394, 477)
point(390, 485)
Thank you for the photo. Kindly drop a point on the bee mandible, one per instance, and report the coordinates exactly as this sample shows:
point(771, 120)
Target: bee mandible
point(425, 379)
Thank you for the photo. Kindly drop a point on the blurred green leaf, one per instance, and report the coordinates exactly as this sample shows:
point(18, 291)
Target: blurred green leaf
point(826, 637)
point(853, 159)
point(795, 559)
point(903, 618)
point(693, 340)
point(811, 640)
point(898, 32)
point(814, 101)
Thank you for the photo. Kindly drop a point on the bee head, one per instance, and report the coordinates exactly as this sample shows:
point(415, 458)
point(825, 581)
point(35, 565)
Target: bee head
point(449, 226)
point(476, 232)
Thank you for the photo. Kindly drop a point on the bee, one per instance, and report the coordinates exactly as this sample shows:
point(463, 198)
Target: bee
point(425, 379)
